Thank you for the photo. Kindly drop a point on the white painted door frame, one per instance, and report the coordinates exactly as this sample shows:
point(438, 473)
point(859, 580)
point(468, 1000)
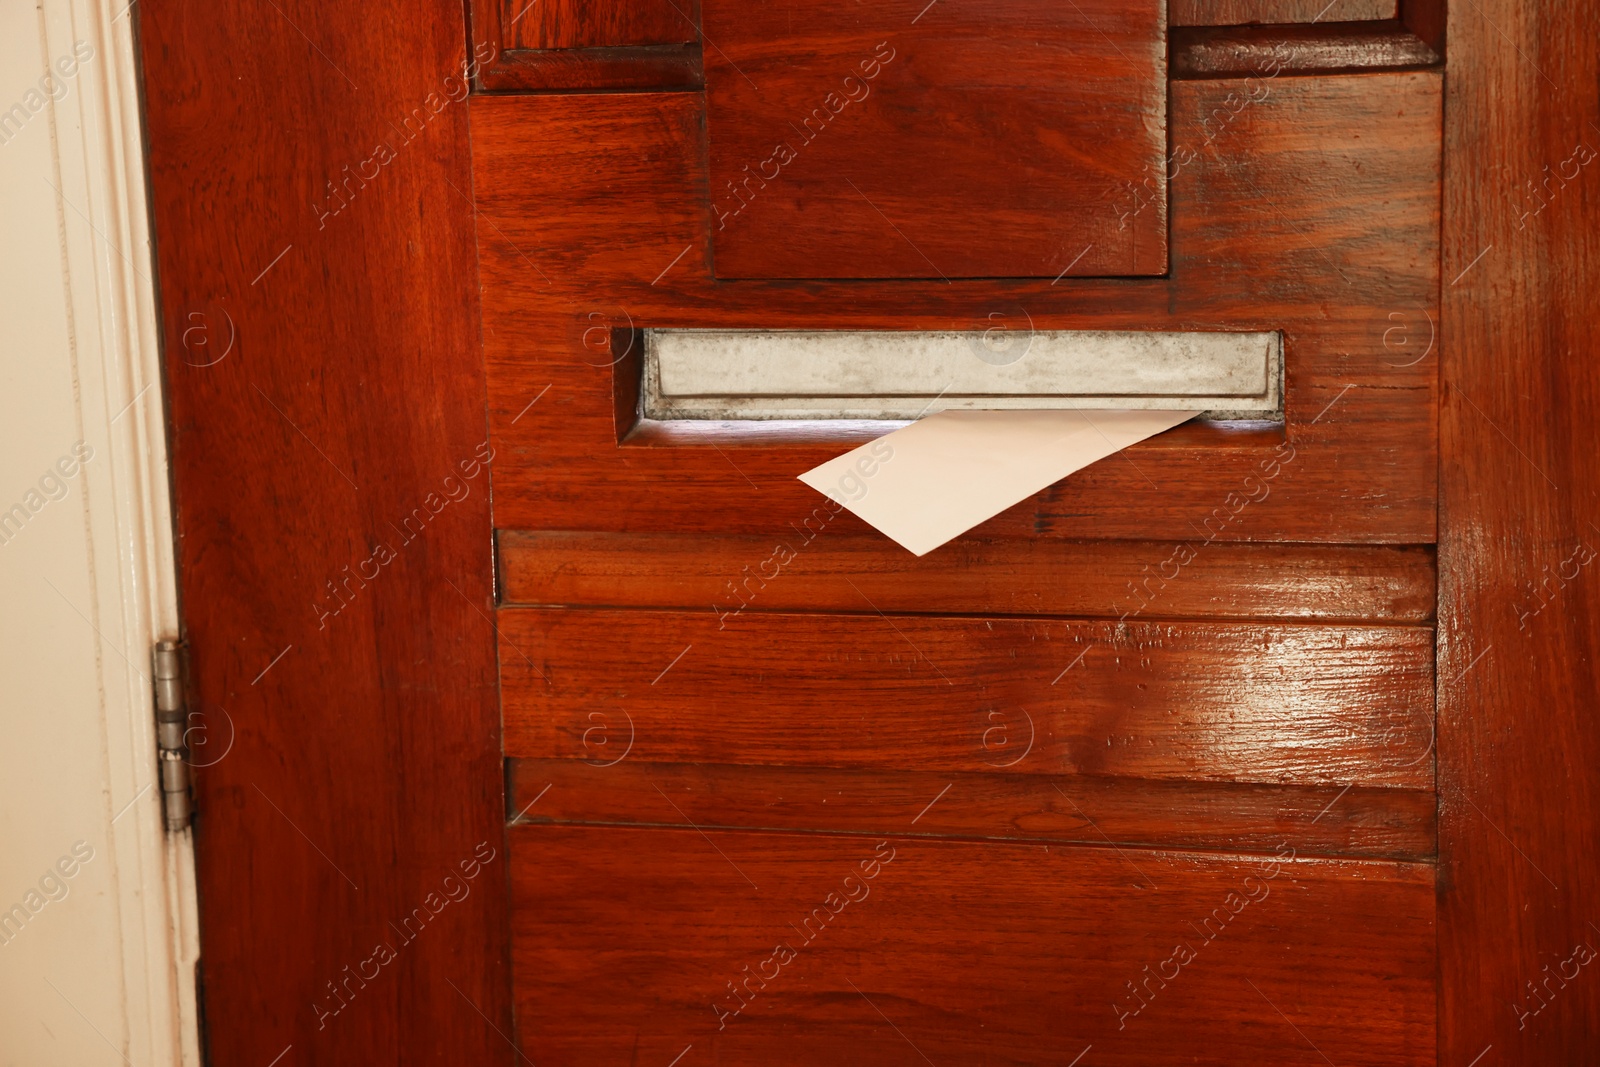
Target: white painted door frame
point(99, 967)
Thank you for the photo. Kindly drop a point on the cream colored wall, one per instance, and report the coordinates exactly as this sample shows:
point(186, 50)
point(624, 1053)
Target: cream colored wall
point(100, 972)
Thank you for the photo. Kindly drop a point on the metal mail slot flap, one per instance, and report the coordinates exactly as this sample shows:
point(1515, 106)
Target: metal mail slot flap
point(835, 374)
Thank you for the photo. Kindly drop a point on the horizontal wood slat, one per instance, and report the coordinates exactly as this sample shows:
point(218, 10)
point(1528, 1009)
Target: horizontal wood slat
point(1321, 820)
point(869, 951)
point(798, 569)
point(1212, 701)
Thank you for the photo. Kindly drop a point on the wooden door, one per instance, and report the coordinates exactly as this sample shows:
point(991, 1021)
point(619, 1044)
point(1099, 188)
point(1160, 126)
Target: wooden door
point(1211, 753)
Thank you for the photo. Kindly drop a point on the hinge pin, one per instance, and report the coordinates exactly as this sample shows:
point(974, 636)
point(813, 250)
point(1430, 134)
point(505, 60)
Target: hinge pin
point(171, 726)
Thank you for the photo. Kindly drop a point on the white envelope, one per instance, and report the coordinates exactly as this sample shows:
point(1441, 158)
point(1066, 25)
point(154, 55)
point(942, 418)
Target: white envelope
point(934, 480)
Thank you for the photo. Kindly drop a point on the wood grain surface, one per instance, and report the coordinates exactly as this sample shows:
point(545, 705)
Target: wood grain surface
point(1312, 210)
point(611, 788)
point(553, 24)
point(1084, 578)
point(364, 767)
point(566, 44)
point(908, 140)
point(1220, 701)
point(635, 946)
point(1519, 631)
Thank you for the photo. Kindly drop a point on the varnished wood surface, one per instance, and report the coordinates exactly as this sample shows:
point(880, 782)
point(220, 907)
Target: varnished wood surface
point(1323, 48)
point(1312, 210)
point(1426, 19)
point(1242, 12)
point(1519, 740)
point(902, 140)
point(553, 24)
point(665, 66)
point(809, 572)
point(364, 766)
point(1189, 701)
point(564, 45)
point(609, 787)
point(627, 943)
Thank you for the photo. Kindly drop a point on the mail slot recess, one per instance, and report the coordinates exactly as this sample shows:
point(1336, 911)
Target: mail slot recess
point(844, 374)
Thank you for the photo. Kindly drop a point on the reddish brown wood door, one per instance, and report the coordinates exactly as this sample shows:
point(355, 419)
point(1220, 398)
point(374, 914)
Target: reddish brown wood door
point(572, 733)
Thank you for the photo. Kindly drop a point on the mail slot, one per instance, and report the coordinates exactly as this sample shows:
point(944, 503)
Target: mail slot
point(847, 374)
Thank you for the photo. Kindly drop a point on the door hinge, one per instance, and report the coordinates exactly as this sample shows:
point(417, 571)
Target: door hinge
point(171, 728)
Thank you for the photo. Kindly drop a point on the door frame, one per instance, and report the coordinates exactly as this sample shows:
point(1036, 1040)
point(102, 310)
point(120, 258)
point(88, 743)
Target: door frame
point(90, 371)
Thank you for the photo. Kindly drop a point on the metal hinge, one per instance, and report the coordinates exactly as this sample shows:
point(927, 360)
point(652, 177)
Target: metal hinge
point(171, 726)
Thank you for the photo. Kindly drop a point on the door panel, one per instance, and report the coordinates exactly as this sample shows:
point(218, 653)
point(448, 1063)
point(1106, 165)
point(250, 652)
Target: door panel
point(681, 671)
point(1221, 640)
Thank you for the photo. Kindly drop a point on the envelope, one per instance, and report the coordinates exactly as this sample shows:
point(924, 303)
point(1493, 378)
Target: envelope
point(932, 481)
